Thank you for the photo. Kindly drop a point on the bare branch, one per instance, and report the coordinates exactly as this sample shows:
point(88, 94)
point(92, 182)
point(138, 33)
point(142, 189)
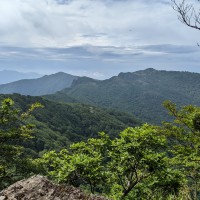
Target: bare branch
point(187, 14)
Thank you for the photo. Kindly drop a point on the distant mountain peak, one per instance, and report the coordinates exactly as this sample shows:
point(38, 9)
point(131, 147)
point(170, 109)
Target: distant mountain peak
point(150, 69)
point(139, 71)
point(59, 74)
point(146, 71)
point(140, 93)
point(62, 73)
point(8, 76)
point(47, 84)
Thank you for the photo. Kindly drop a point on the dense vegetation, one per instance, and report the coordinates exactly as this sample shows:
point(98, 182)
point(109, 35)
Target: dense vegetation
point(146, 162)
point(139, 162)
point(140, 93)
point(58, 125)
point(14, 128)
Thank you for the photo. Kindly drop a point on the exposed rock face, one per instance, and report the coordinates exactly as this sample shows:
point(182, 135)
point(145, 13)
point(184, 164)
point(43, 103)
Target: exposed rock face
point(40, 188)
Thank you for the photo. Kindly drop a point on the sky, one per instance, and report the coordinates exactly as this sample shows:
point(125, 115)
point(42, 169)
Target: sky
point(95, 38)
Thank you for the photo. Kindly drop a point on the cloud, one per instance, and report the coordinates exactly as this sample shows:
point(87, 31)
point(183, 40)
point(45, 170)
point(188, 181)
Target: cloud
point(95, 37)
point(63, 23)
point(172, 49)
point(100, 61)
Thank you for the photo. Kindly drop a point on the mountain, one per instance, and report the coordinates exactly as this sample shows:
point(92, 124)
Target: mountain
point(140, 93)
point(47, 84)
point(58, 125)
point(7, 76)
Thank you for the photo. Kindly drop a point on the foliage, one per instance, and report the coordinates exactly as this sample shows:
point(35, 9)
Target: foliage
point(13, 129)
point(146, 162)
point(185, 131)
point(120, 167)
point(58, 125)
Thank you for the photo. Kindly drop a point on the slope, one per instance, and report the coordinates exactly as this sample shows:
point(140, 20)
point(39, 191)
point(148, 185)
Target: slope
point(47, 84)
point(140, 93)
point(7, 76)
point(57, 125)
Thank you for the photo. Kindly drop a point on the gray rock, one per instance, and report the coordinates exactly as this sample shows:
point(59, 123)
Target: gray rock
point(40, 188)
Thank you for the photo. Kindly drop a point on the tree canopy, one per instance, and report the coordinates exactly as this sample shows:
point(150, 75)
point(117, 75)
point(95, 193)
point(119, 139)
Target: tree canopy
point(147, 162)
point(14, 129)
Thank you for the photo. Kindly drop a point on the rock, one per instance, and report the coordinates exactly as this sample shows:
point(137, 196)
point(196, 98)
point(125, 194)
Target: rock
point(40, 188)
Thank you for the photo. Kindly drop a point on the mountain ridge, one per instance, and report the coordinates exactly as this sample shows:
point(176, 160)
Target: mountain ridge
point(47, 84)
point(140, 93)
point(8, 76)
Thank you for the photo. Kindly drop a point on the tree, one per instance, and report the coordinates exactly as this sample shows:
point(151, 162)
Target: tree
point(188, 13)
point(14, 129)
point(184, 134)
point(129, 166)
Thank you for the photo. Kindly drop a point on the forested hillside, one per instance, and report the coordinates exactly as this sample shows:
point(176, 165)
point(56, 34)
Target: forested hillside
point(140, 93)
point(158, 162)
point(58, 125)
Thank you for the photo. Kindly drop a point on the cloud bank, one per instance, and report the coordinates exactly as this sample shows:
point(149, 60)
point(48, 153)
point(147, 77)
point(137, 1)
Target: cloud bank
point(100, 36)
point(63, 23)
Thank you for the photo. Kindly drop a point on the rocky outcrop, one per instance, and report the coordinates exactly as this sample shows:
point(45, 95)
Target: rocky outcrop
point(40, 188)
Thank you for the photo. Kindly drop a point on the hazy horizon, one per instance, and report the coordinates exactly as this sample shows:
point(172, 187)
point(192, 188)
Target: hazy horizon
point(34, 75)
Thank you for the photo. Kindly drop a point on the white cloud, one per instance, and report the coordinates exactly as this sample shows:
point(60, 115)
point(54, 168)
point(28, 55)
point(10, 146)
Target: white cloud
point(47, 23)
point(97, 38)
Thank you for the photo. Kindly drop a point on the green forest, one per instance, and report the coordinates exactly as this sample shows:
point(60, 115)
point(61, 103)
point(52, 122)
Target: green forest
point(128, 161)
point(59, 124)
point(140, 93)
